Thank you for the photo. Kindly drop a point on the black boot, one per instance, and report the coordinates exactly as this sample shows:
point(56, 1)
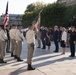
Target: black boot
point(2, 61)
point(12, 54)
point(30, 67)
point(19, 59)
point(15, 56)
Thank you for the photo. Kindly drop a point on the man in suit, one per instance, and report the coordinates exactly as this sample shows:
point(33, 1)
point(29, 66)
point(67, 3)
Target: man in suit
point(8, 40)
point(56, 38)
point(43, 36)
point(72, 41)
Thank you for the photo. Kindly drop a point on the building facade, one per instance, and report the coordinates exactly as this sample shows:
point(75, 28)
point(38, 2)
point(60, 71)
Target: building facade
point(68, 2)
point(13, 19)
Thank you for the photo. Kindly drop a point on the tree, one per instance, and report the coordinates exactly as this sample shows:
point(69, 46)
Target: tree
point(52, 14)
point(30, 8)
point(34, 7)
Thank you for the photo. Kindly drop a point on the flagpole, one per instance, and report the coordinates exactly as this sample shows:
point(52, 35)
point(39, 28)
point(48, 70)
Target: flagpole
point(40, 12)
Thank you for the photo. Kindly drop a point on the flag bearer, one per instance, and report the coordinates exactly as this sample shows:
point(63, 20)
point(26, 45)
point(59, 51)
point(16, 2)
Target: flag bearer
point(30, 37)
point(3, 39)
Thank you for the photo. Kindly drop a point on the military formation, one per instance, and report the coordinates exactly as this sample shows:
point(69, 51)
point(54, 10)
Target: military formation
point(11, 36)
point(11, 39)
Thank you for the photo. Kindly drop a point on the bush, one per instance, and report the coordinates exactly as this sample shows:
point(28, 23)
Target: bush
point(52, 14)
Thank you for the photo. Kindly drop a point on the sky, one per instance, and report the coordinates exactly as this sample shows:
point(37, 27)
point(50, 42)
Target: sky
point(18, 6)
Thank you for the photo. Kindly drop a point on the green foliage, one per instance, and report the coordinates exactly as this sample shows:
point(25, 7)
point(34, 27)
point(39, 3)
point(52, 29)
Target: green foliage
point(30, 8)
point(52, 14)
point(34, 7)
point(28, 18)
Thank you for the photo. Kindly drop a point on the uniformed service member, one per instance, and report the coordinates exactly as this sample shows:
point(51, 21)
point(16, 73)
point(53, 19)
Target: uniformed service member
point(30, 37)
point(3, 38)
point(12, 33)
point(19, 38)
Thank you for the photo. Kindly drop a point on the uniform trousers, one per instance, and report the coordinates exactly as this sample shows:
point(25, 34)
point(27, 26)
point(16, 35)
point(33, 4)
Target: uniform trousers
point(18, 48)
point(13, 46)
point(30, 53)
point(2, 49)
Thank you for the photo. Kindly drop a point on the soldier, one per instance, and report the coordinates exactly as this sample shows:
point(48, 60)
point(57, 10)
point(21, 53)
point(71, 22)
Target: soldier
point(30, 37)
point(3, 38)
point(12, 38)
point(19, 38)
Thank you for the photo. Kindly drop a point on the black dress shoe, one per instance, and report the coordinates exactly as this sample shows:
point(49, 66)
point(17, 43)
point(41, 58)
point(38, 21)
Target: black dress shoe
point(43, 48)
point(38, 47)
point(55, 51)
point(19, 60)
point(71, 56)
point(67, 46)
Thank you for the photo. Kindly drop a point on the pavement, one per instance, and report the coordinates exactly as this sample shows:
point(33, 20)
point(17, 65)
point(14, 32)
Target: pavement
point(46, 62)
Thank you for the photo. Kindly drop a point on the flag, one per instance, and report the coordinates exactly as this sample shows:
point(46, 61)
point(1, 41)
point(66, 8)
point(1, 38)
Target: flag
point(6, 16)
point(36, 21)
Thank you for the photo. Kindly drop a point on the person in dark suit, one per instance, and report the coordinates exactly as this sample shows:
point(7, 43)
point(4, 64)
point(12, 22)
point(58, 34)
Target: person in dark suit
point(43, 36)
point(56, 38)
point(8, 40)
point(72, 41)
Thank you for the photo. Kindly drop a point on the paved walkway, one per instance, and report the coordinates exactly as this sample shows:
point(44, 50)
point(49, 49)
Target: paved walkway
point(45, 61)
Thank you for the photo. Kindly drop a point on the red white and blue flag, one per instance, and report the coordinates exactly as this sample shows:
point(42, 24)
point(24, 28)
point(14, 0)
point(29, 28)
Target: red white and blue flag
point(6, 16)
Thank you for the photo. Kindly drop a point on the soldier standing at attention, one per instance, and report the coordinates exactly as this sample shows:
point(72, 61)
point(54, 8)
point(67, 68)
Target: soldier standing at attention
point(3, 38)
point(30, 37)
point(19, 39)
point(12, 33)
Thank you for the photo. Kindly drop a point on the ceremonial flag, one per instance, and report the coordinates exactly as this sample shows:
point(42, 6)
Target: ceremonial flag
point(37, 20)
point(6, 16)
